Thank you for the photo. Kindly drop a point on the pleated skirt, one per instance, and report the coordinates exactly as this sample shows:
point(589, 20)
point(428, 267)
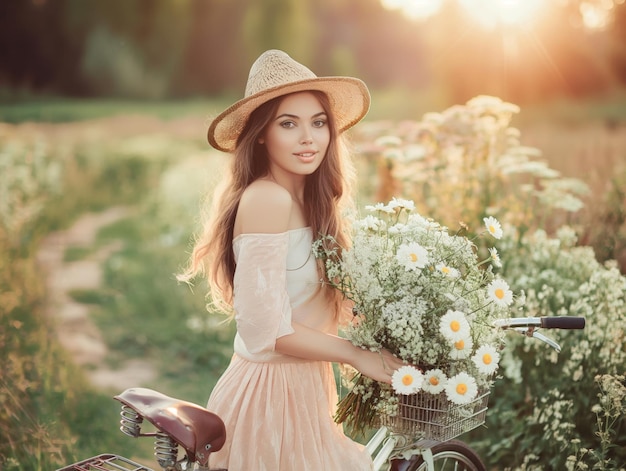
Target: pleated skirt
point(278, 417)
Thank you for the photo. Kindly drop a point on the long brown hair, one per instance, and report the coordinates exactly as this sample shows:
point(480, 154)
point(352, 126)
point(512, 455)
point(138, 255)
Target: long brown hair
point(327, 201)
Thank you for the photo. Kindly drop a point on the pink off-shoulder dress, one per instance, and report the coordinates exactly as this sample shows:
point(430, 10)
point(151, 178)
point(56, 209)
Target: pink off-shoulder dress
point(277, 408)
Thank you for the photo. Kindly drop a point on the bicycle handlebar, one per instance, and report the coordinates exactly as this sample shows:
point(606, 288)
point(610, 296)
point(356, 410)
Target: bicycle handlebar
point(528, 325)
point(562, 322)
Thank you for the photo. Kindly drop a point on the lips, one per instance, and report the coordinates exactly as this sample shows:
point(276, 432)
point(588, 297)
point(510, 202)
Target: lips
point(306, 156)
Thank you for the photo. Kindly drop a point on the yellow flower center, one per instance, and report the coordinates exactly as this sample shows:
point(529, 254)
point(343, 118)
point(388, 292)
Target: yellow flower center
point(487, 359)
point(499, 292)
point(455, 326)
point(407, 380)
point(461, 388)
point(459, 345)
point(492, 229)
point(446, 270)
point(434, 380)
point(413, 257)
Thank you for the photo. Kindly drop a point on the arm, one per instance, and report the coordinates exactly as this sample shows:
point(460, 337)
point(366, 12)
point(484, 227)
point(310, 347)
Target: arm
point(312, 344)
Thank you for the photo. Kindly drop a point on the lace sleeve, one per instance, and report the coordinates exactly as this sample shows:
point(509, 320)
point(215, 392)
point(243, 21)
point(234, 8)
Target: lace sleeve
point(261, 303)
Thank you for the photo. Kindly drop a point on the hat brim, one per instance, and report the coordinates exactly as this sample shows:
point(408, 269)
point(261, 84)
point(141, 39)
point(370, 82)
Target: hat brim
point(348, 96)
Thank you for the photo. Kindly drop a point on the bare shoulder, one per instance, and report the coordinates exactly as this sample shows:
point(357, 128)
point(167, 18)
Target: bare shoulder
point(265, 207)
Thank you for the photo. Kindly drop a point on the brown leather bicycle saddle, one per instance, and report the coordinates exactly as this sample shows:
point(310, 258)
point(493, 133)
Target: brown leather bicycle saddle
point(199, 431)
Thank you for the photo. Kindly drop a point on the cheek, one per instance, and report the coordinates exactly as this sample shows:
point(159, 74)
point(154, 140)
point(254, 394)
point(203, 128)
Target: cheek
point(322, 137)
point(277, 142)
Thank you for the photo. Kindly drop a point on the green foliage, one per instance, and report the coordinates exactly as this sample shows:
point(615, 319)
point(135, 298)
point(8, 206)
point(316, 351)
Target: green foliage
point(549, 409)
point(143, 311)
point(49, 415)
point(57, 110)
point(607, 231)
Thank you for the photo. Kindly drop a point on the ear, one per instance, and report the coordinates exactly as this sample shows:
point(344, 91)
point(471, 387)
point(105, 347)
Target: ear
point(261, 140)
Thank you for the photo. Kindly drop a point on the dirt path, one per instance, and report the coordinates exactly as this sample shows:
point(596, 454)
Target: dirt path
point(76, 330)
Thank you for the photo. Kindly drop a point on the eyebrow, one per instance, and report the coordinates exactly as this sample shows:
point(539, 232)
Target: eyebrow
point(293, 116)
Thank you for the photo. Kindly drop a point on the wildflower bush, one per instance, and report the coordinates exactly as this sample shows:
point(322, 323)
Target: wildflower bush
point(552, 410)
point(423, 294)
point(469, 161)
point(548, 410)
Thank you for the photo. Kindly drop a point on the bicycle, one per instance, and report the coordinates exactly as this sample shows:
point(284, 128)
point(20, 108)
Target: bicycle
point(421, 438)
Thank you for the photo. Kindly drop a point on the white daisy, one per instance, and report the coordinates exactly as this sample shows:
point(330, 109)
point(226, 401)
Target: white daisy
point(370, 222)
point(407, 380)
point(434, 381)
point(412, 256)
point(461, 389)
point(446, 270)
point(495, 257)
point(454, 326)
point(462, 348)
point(400, 203)
point(493, 226)
point(486, 359)
point(380, 207)
point(500, 293)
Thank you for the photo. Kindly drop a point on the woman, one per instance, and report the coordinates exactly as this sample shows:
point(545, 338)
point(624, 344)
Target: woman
point(288, 184)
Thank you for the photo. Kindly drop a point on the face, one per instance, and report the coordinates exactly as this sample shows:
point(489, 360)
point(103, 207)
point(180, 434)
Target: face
point(298, 136)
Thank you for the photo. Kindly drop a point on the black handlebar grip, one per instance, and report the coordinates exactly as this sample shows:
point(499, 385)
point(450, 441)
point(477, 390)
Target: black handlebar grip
point(563, 322)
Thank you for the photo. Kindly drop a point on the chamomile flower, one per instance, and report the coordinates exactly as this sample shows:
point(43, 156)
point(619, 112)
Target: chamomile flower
point(486, 359)
point(412, 256)
point(447, 270)
point(399, 203)
point(500, 293)
point(434, 381)
point(461, 388)
point(407, 380)
point(454, 326)
point(371, 223)
point(462, 348)
point(493, 226)
point(380, 207)
point(495, 257)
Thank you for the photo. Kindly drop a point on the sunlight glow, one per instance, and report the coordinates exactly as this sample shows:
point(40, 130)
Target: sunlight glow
point(491, 13)
point(415, 9)
point(596, 15)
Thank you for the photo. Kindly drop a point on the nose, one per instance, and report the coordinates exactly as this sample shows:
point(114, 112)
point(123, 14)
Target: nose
point(306, 137)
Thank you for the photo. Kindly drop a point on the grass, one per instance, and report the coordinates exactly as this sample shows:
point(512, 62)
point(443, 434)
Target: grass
point(394, 104)
point(60, 109)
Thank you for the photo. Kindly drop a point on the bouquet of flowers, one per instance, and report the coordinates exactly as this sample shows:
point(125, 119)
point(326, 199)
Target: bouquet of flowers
point(421, 293)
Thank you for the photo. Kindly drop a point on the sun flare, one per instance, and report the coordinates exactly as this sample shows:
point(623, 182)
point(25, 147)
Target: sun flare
point(491, 13)
point(414, 9)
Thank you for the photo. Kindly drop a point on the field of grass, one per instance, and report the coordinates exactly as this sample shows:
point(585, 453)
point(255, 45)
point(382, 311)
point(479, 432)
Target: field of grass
point(79, 156)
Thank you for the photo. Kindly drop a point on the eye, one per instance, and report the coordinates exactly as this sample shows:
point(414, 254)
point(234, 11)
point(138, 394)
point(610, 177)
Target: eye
point(319, 123)
point(288, 124)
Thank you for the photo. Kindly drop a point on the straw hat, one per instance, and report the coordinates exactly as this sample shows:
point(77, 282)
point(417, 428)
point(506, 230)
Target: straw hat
point(274, 74)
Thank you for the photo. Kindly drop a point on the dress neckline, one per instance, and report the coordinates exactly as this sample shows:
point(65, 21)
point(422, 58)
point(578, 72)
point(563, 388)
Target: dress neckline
point(288, 231)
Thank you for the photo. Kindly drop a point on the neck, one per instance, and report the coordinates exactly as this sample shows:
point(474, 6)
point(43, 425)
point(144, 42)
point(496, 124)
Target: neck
point(294, 185)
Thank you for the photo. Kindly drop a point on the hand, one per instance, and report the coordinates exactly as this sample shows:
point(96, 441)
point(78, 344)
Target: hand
point(379, 366)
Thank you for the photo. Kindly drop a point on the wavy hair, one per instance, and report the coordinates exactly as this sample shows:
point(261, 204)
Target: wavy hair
point(327, 197)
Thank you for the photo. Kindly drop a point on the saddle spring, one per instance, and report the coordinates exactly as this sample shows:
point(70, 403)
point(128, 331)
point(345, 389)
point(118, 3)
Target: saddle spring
point(131, 421)
point(165, 450)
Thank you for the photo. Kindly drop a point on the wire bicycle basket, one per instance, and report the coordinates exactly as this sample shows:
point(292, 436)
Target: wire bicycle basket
point(434, 417)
